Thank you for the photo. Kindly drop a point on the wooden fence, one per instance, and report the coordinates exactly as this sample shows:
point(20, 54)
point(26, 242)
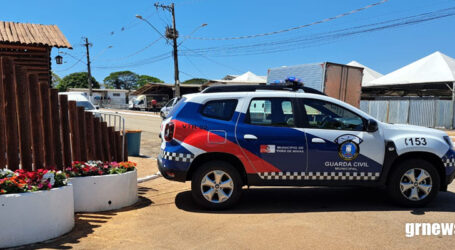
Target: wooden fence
point(40, 129)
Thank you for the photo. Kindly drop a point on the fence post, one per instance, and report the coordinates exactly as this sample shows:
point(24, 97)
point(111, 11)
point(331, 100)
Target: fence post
point(118, 143)
point(55, 114)
point(91, 155)
point(113, 146)
point(74, 129)
point(82, 133)
point(125, 148)
point(10, 114)
point(23, 108)
point(2, 119)
point(106, 142)
point(36, 121)
point(47, 125)
point(65, 130)
point(98, 139)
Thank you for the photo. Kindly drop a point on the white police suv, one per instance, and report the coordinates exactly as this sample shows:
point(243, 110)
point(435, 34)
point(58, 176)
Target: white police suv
point(229, 137)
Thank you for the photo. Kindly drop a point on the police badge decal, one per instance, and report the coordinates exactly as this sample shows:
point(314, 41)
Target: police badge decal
point(348, 146)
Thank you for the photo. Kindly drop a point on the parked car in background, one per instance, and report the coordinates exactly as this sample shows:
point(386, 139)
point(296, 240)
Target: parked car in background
point(168, 107)
point(82, 101)
point(149, 102)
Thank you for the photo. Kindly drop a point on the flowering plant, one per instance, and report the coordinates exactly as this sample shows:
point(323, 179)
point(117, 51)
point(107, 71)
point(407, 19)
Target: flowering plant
point(92, 168)
point(22, 181)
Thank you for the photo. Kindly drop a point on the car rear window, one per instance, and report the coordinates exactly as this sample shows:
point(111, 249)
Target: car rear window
point(220, 109)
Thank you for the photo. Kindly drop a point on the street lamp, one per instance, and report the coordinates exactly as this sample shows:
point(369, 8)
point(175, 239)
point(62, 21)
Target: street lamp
point(59, 59)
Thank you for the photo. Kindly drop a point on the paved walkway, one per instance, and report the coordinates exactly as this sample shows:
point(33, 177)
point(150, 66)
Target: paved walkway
point(291, 218)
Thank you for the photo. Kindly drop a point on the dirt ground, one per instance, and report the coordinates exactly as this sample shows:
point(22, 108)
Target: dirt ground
point(266, 218)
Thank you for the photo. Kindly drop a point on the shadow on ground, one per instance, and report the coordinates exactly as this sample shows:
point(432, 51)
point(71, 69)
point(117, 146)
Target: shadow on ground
point(86, 223)
point(316, 199)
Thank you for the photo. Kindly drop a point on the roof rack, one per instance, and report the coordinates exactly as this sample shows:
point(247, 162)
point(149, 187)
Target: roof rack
point(252, 88)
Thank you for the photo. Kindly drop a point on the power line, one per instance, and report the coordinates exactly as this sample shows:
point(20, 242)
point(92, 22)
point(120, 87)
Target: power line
point(194, 65)
point(146, 61)
point(296, 43)
point(293, 28)
point(136, 52)
point(211, 60)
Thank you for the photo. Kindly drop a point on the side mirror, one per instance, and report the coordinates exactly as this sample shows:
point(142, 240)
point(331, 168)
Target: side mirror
point(372, 125)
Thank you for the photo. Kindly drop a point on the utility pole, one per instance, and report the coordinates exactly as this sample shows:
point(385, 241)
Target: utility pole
point(89, 71)
point(172, 33)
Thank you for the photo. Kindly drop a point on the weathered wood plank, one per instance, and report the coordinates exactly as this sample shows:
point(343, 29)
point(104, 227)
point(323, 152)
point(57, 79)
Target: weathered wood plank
point(36, 122)
point(82, 133)
point(91, 154)
point(74, 131)
point(23, 112)
point(57, 135)
point(10, 113)
point(113, 144)
point(125, 150)
point(2, 120)
point(65, 130)
point(119, 150)
point(99, 153)
point(47, 126)
point(106, 142)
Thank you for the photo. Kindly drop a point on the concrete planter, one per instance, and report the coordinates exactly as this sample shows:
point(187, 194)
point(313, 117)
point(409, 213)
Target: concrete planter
point(104, 192)
point(27, 218)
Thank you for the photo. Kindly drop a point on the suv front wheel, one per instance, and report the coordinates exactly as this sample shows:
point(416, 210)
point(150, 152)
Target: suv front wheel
point(414, 183)
point(216, 185)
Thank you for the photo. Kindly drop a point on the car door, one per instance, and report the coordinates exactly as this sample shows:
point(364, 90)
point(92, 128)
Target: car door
point(270, 140)
point(339, 148)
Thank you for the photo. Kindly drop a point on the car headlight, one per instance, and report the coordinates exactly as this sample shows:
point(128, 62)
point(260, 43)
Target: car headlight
point(448, 141)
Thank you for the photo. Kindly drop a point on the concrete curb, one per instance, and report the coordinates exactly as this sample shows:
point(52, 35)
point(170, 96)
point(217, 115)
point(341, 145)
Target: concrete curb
point(149, 178)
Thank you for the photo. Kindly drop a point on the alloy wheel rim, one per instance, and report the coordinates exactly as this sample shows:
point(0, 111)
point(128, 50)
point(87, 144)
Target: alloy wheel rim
point(217, 186)
point(416, 184)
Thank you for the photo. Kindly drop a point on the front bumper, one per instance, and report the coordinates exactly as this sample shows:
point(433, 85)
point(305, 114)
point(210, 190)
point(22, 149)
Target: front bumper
point(169, 173)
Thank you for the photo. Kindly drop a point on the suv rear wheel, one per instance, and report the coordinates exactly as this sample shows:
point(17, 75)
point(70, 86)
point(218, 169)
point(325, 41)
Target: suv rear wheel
point(216, 185)
point(414, 183)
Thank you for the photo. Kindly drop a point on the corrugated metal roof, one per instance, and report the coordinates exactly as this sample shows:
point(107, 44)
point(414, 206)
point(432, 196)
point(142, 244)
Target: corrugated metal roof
point(32, 34)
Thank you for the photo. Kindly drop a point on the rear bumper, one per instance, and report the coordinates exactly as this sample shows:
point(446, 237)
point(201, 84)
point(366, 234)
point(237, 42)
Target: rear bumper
point(169, 173)
point(450, 177)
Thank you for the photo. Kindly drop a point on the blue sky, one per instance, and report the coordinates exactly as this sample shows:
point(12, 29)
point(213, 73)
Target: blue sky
point(384, 50)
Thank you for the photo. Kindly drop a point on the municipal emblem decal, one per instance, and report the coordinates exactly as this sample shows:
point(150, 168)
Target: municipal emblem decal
point(348, 146)
point(267, 149)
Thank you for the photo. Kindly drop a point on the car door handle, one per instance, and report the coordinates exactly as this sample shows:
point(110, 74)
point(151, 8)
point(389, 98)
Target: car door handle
point(317, 140)
point(249, 137)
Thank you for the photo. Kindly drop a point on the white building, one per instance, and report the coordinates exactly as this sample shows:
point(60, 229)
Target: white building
point(113, 98)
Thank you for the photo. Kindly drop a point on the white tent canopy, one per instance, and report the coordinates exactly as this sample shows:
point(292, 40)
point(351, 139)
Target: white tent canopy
point(368, 74)
point(246, 78)
point(249, 77)
point(435, 68)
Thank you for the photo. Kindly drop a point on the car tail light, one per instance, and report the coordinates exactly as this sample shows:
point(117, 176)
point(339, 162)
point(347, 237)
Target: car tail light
point(169, 131)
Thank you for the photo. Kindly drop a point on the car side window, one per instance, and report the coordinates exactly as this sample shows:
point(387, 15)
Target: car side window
point(326, 115)
point(271, 112)
point(220, 109)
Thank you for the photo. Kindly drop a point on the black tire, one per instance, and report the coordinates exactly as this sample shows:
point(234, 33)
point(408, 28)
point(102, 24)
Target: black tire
point(394, 188)
point(207, 168)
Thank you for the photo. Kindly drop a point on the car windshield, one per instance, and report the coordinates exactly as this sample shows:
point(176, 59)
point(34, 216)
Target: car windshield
point(87, 105)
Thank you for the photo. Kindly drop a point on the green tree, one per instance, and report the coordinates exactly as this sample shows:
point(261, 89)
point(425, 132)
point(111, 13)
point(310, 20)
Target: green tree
point(77, 80)
point(55, 80)
point(144, 79)
point(195, 81)
point(121, 80)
